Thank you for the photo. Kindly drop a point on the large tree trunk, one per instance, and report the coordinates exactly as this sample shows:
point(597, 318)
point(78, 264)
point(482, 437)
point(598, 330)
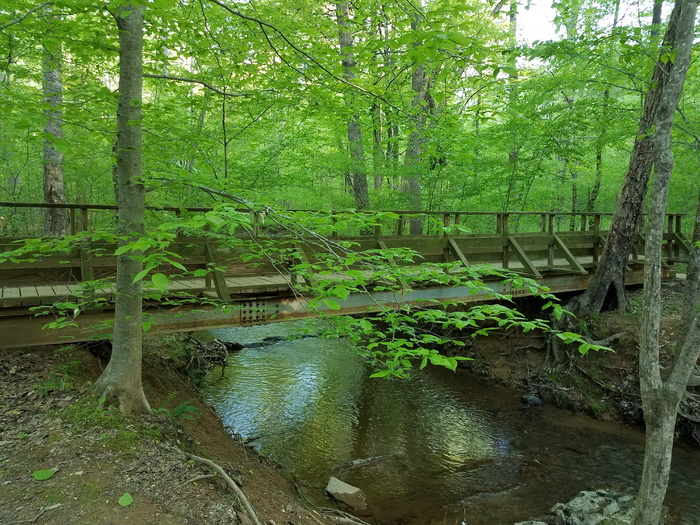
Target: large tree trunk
point(56, 219)
point(661, 398)
point(120, 383)
point(607, 286)
point(357, 153)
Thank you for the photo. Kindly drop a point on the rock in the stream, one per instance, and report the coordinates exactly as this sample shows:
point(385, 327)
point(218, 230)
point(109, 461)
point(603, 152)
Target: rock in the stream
point(531, 400)
point(599, 507)
point(348, 494)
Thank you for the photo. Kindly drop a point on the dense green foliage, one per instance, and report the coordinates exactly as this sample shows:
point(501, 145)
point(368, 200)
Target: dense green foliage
point(262, 111)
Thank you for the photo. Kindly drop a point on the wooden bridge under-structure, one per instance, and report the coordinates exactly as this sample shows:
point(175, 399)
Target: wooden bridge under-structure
point(560, 250)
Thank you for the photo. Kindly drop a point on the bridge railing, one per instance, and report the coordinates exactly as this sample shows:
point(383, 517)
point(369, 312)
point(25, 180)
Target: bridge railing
point(528, 242)
point(19, 219)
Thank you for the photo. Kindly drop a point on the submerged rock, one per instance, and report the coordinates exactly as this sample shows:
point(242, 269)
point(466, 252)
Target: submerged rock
point(353, 496)
point(531, 400)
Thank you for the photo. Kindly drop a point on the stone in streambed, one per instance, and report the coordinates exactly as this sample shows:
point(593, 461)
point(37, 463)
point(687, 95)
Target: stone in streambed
point(346, 493)
point(531, 400)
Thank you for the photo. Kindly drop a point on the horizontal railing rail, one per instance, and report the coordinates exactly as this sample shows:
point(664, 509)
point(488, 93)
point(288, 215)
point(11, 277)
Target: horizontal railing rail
point(22, 219)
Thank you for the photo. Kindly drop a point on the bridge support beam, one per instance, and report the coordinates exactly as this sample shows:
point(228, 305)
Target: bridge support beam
point(22, 329)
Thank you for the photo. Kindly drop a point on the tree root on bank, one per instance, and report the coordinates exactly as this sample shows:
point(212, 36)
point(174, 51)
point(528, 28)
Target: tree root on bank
point(598, 382)
point(231, 483)
point(690, 407)
point(205, 356)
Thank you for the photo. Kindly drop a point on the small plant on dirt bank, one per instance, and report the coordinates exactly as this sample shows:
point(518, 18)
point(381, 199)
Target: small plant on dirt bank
point(599, 408)
point(54, 383)
point(182, 411)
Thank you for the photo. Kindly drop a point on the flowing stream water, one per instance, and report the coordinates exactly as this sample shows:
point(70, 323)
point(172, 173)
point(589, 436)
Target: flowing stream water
point(453, 447)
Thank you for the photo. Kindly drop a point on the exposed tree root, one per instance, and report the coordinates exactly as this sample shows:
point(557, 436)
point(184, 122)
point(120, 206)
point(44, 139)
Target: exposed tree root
point(232, 484)
point(41, 513)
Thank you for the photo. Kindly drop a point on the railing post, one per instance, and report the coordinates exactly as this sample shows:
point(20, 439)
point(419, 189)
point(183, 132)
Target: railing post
point(400, 225)
point(73, 229)
point(256, 224)
point(543, 222)
point(669, 241)
point(550, 226)
point(584, 220)
point(84, 218)
point(504, 232)
point(377, 231)
point(596, 240)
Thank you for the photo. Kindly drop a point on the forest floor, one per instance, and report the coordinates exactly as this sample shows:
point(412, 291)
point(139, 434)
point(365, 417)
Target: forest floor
point(93, 456)
point(96, 455)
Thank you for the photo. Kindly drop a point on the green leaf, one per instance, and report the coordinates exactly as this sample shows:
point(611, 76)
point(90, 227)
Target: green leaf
point(381, 373)
point(330, 303)
point(160, 281)
point(43, 474)
point(141, 275)
point(126, 500)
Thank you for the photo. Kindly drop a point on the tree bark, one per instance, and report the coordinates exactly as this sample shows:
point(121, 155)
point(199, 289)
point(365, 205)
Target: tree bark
point(357, 153)
point(414, 146)
point(661, 398)
point(607, 286)
point(120, 383)
point(56, 219)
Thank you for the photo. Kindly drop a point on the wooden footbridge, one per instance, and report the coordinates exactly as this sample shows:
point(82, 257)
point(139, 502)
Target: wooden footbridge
point(559, 250)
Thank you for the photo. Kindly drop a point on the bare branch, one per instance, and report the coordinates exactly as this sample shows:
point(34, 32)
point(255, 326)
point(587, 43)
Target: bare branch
point(263, 25)
point(201, 82)
point(25, 15)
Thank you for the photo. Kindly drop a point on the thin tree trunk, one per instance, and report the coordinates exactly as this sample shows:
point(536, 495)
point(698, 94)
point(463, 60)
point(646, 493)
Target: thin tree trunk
point(414, 147)
point(607, 286)
point(692, 278)
point(56, 219)
point(377, 156)
point(661, 399)
point(120, 383)
point(357, 153)
point(593, 196)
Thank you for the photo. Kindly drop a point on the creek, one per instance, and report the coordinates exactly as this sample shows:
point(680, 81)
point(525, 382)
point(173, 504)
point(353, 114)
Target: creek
point(454, 447)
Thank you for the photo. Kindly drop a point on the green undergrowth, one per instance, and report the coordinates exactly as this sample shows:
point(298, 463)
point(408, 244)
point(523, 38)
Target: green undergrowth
point(117, 432)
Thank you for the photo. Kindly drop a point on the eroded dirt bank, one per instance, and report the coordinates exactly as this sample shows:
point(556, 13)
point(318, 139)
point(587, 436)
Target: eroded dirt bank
point(604, 385)
point(94, 456)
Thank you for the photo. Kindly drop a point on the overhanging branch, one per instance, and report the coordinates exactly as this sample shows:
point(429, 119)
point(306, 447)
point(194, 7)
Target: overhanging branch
point(263, 25)
point(25, 15)
point(205, 84)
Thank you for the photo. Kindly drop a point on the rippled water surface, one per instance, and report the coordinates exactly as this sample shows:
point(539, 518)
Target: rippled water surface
point(453, 446)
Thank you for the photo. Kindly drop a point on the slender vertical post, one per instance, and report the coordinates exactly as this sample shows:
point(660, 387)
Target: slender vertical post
point(256, 224)
point(504, 231)
point(84, 218)
point(596, 239)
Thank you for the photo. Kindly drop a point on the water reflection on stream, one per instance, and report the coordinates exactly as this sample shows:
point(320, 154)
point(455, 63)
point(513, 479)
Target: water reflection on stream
point(458, 447)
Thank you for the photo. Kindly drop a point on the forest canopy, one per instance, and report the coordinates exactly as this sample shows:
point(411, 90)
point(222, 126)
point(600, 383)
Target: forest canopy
point(434, 105)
